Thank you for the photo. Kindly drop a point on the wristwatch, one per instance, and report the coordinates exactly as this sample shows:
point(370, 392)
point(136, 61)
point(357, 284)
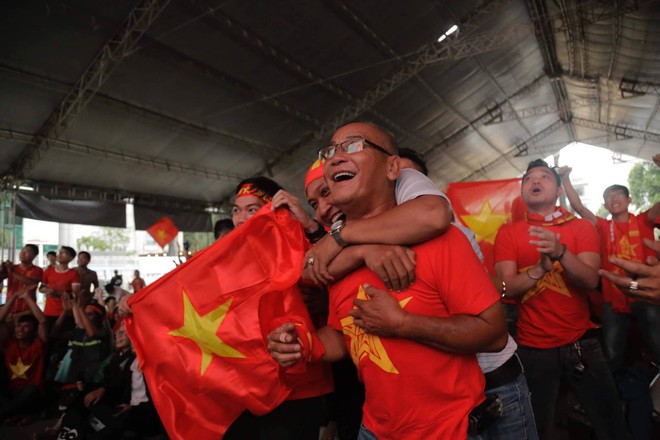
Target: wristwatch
point(335, 230)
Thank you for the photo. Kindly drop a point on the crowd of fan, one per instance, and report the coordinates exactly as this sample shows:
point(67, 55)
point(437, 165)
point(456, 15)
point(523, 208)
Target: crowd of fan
point(75, 357)
point(72, 362)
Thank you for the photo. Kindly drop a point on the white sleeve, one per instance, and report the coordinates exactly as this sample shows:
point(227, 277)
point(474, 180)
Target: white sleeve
point(412, 184)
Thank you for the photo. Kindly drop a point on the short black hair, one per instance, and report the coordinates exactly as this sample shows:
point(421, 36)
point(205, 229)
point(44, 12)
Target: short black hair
point(414, 157)
point(53, 253)
point(29, 319)
point(34, 248)
point(225, 224)
point(617, 188)
point(110, 298)
point(540, 163)
point(69, 250)
point(268, 186)
point(89, 257)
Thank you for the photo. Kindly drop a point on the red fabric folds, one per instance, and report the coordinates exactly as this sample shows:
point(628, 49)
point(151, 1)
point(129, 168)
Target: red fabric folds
point(202, 377)
point(484, 207)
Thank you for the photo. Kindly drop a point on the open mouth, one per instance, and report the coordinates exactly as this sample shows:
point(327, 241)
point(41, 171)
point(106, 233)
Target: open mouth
point(338, 216)
point(343, 176)
point(536, 190)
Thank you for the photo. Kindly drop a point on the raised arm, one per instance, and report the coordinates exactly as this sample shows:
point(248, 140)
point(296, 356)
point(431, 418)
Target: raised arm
point(653, 213)
point(36, 311)
point(572, 195)
point(412, 222)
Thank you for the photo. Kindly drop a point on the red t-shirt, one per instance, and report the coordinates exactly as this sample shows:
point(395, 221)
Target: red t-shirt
point(616, 240)
point(25, 366)
point(60, 282)
point(414, 391)
point(138, 284)
point(554, 312)
point(13, 285)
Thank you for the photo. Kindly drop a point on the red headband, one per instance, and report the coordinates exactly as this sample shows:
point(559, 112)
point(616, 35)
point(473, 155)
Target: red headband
point(249, 190)
point(314, 172)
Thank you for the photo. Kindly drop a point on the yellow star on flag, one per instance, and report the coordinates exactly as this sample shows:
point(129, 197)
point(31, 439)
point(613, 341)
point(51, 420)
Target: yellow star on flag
point(19, 369)
point(202, 331)
point(161, 234)
point(364, 345)
point(486, 224)
point(551, 281)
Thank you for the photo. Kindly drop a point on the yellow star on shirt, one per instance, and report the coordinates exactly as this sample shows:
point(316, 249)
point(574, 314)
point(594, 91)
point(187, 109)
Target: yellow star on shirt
point(551, 281)
point(364, 345)
point(486, 224)
point(19, 369)
point(202, 331)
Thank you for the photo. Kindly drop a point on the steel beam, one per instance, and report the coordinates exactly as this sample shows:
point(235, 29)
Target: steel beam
point(620, 131)
point(520, 149)
point(92, 79)
point(125, 158)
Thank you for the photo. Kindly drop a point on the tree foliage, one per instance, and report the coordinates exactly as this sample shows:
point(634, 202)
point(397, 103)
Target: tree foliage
point(108, 239)
point(644, 184)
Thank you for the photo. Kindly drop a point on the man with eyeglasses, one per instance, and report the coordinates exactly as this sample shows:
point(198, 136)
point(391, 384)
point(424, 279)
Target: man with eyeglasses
point(421, 375)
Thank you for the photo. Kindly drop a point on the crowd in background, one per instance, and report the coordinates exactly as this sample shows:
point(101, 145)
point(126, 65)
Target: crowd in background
point(393, 271)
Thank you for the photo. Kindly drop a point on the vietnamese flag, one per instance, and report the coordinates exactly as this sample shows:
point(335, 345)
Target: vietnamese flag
point(199, 331)
point(163, 231)
point(485, 206)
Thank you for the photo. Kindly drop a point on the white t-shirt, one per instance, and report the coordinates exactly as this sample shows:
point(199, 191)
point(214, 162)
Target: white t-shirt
point(412, 184)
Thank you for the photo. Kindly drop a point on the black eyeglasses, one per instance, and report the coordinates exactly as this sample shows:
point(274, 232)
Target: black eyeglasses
point(350, 146)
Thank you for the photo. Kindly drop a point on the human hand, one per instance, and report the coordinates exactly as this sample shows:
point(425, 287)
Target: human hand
point(68, 303)
point(121, 409)
point(547, 242)
point(93, 397)
point(283, 346)
point(318, 258)
point(380, 315)
point(123, 307)
point(394, 265)
point(564, 172)
point(646, 276)
point(283, 199)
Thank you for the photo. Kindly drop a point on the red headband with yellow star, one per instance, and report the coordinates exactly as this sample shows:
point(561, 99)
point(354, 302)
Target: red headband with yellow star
point(314, 172)
point(249, 190)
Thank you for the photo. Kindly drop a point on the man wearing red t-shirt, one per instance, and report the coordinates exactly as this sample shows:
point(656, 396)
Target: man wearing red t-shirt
point(21, 275)
point(549, 262)
point(58, 281)
point(621, 237)
point(421, 375)
point(138, 283)
point(24, 354)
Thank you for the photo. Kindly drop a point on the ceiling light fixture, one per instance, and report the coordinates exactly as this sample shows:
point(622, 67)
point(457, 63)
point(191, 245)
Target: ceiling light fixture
point(450, 31)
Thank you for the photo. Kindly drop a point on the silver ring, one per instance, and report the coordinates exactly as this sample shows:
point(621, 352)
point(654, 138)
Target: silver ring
point(633, 286)
point(310, 261)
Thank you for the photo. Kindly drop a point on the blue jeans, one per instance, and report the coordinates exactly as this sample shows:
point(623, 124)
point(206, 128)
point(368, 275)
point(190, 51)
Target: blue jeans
point(615, 331)
point(517, 419)
point(594, 388)
point(365, 434)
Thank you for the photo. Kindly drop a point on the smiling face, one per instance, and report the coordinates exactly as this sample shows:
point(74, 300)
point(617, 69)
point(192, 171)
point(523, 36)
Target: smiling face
point(540, 190)
point(318, 197)
point(362, 184)
point(616, 201)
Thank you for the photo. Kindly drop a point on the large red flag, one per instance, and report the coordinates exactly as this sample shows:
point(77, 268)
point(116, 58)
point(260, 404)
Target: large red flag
point(163, 231)
point(199, 331)
point(484, 207)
